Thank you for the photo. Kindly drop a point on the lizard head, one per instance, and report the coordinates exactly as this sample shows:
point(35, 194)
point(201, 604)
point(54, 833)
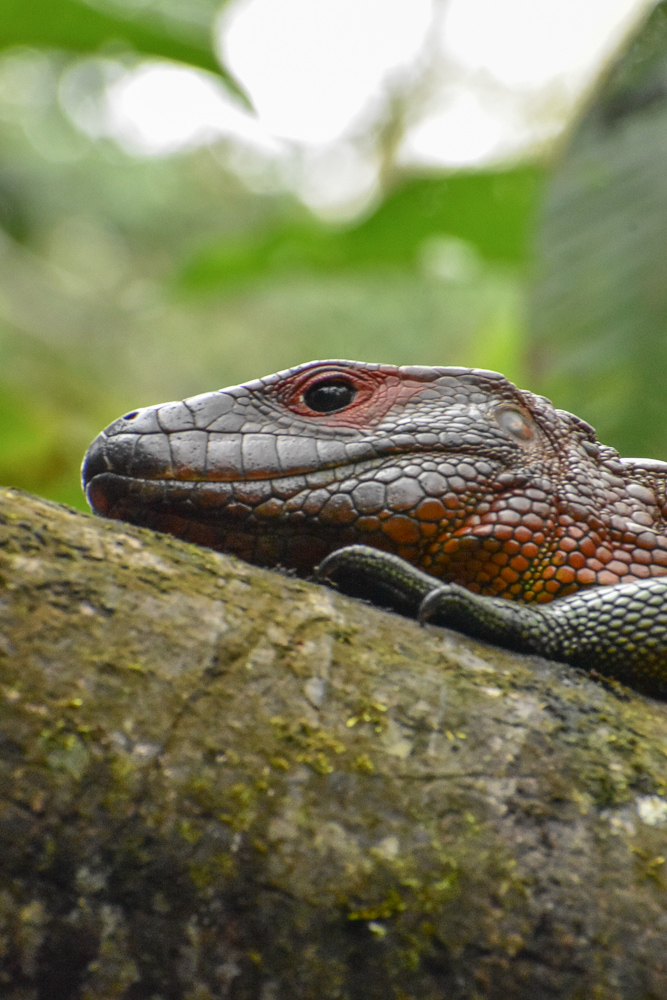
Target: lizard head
point(454, 469)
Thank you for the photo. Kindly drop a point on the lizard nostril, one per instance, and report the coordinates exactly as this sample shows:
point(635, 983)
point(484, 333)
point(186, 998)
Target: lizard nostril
point(130, 416)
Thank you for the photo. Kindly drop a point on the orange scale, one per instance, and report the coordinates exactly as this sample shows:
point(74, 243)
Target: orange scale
point(520, 564)
point(660, 557)
point(491, 545)
point(637, 572)
point(474, 524)
point(603, 554)
point(529, 550)
point(503, 532)
point(428, 530)
point(587, 546)
point(401, 530)
point(567, 544)
point(430, 510)
point(500, 559)
point(523, 534)
point(586, 575)
point(558, 558)
point(642, 557)
point(368, 524)
point(552, 587)
point(544, 598)
point(576, 560)
point(605, 578)
point(512, 547)
point(617, 567)
point(565, 574)
point(574, 531)
point(509, 575)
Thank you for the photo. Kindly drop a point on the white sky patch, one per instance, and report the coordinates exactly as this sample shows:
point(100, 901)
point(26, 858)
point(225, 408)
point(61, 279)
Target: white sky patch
point(522, 66)
point(160, 108)
point(524, 43)
point(505, 77)
point(461, 133)
point(312, 66)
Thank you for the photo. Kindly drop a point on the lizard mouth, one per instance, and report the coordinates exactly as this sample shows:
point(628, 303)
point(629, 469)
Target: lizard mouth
point(245, 519)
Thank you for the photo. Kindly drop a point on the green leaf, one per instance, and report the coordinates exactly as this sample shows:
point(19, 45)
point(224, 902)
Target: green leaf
point(75, 26)
point(598, 306)
point(492, 211)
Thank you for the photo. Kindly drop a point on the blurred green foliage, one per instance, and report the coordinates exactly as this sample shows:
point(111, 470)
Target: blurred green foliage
point(487, 212)
point(598, 299)
point(80, 26)
point(126, 281)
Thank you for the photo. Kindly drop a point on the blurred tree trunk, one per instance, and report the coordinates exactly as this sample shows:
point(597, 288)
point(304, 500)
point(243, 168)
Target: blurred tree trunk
point(220, 782)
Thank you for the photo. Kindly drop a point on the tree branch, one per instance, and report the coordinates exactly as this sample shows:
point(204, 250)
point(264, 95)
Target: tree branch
point(220, 782)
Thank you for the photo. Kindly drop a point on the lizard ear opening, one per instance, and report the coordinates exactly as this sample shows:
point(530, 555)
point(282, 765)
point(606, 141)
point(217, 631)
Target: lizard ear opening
point(515, 423)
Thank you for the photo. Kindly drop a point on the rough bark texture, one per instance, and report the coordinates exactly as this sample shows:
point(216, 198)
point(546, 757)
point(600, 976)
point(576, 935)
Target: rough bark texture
point(219, 782)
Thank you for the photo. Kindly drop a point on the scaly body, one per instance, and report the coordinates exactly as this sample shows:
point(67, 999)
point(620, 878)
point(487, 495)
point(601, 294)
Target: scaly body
point(456, 471)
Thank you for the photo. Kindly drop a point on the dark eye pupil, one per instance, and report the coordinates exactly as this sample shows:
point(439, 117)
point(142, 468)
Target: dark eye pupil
point(327, 397)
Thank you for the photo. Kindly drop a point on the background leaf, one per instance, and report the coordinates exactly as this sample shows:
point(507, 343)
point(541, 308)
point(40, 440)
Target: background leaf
point(77, 26)
point(490, 210)
point(598, 305)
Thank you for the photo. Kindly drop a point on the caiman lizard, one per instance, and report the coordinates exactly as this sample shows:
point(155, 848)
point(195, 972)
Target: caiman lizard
point(438, 492)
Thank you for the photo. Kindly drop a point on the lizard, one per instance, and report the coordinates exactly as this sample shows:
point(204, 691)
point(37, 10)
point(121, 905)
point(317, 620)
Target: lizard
point(443, 493)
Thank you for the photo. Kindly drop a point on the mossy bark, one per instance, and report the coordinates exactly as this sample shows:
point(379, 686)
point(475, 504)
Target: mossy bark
point(219, 782)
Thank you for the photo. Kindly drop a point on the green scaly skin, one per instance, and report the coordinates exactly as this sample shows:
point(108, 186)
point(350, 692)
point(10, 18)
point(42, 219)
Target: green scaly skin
point(620, 631)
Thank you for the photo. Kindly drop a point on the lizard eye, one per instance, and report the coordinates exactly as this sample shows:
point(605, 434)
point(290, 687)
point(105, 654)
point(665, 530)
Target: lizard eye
point(515, 423)
point(329, 395)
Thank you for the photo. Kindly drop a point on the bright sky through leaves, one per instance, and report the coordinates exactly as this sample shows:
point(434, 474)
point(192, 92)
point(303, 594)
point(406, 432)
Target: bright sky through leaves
point(329, 58)
point(502, 78)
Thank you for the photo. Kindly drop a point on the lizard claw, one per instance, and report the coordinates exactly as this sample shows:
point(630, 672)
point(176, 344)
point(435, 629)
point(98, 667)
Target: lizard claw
point(379, 577)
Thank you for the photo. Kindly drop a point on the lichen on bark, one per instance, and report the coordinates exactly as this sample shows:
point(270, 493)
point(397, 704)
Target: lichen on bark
point(221, 782)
